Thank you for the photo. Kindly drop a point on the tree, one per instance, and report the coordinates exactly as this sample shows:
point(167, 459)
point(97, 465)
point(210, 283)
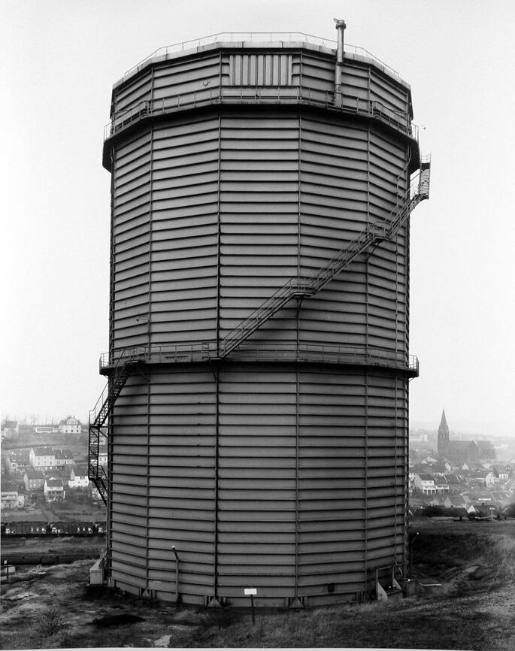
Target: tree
point(510, 510)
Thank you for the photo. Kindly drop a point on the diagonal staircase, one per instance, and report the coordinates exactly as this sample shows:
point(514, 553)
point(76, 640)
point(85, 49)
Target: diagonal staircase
point(301, 287)
point(98, 419)
point(297, 287)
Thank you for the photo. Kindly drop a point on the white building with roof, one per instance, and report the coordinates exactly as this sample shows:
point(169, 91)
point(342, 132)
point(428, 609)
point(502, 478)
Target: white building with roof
point(43, 458)
point(78, 477)
point(54, 490)
point(425, 483)
point(70, 425)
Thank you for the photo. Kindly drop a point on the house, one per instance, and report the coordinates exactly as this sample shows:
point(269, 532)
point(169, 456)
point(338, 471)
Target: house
point(70, 425)
point(34, 480)
point(10, 497)
point(18, 461)
point(63, 458)
point(441, 483)
point(482, 478)
point(502, 473)
point(43, 458)
point(455, 501)
point(54, 490)
point(455, 482)
point(78, 477)
point(425, 483)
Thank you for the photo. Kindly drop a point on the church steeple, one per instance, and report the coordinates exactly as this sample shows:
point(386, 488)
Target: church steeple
point(443, 436)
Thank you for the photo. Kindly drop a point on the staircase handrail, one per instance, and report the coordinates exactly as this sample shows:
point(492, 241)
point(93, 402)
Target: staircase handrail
point(370, 236)
point(98, 404)
point(125, 357)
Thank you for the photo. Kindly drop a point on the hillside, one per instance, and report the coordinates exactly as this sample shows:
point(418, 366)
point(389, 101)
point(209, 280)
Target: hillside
point(473, 608)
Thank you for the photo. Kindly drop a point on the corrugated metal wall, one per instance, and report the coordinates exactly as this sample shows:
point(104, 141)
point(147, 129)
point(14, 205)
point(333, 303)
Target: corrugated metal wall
point(289, 478)
point(230, 73)
point(221, 204)
point(305, 488)
point(351, 176)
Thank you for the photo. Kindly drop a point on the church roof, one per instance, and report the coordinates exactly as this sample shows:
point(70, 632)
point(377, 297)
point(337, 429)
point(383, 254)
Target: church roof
point(461, 446)
point(443, 423)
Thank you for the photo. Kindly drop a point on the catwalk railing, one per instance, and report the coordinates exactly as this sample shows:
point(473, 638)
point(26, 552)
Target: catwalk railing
point(257, 38)
point(299, 94)
point(205, 351)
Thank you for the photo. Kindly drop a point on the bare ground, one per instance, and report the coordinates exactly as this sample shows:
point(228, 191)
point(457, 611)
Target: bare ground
point(474, 608)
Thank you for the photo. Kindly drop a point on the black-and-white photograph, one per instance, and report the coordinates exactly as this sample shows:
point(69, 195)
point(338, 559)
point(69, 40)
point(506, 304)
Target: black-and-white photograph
point(257, 383)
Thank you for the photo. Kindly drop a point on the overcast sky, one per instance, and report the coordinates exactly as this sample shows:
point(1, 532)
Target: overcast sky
point(58, 63)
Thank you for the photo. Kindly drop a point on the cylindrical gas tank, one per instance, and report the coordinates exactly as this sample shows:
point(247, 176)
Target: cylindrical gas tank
point(237, 168)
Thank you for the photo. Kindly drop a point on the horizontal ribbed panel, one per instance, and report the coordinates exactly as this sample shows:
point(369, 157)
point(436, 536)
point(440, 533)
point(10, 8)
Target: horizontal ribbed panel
point(290, 480)
point(328, 500)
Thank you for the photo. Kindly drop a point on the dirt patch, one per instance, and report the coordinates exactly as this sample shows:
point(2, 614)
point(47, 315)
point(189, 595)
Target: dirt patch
point(475, 609)
point(117, 620)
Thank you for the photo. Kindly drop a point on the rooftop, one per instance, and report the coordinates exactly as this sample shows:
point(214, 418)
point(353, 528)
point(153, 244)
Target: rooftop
point(34, 474)
point(54, 483)
point(45, 451)
point(256, 40)
point(9, 486)
point(80, 471)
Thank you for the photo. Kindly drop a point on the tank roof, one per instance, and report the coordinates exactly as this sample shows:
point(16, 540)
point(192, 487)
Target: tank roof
point(256, 40)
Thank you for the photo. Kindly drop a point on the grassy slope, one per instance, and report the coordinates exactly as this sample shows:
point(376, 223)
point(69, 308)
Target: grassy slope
point(474, 610)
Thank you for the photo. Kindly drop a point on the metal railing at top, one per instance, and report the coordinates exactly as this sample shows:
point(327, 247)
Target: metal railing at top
point(261, 95)
point(259, 37)
point(103, 397)
point(305, 352)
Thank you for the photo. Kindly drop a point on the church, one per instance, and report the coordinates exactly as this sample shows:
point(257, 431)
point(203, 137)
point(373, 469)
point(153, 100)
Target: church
point(460, 452)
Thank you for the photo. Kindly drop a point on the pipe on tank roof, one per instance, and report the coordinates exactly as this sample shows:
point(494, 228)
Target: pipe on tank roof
point(340, 29)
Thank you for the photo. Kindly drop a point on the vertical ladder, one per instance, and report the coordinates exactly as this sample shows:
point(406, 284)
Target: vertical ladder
point(298, 287)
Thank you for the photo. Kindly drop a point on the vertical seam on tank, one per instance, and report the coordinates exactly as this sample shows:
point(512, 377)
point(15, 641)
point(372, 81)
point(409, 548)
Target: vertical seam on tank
point(218, 241)
point(396, 250)
point(149, 331)
point(109, 483)
point(297, 460)
point(150, 228)
point(297, 371)
point(365, 473)
point(299, 172)
point(367, 317)
point(217, 334)
point(406, 380)
point(147, 496)
point(397, 306)
point(217, 453)
point(112, 252)
point(109, 518)
point(406, 473)
point(396, 472)
point(367, 257)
